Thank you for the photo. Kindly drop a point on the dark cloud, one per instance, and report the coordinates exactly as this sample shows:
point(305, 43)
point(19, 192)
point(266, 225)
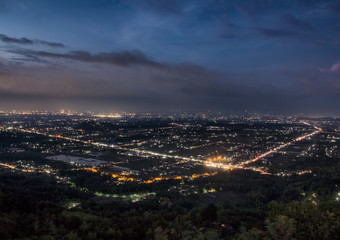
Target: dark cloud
point(295, 23)
point(289, 26)
point(51, 44)
point(22, 40)
point(278, 33)
point(122, 58)
point(26, 41)
point(154, 74)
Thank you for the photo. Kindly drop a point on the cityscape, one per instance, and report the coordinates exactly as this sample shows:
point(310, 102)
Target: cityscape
point(148, 156)
point(169, 120)
point(186, 140)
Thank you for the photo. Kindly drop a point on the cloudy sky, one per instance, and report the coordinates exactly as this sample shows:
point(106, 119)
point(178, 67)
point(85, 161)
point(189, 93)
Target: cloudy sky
point(164, 55)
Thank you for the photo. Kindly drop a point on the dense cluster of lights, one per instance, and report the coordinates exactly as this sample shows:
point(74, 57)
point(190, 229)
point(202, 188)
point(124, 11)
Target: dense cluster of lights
point(216, 162)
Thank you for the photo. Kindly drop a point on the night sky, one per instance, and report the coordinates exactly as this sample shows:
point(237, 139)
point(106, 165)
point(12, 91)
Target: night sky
point(280, 56)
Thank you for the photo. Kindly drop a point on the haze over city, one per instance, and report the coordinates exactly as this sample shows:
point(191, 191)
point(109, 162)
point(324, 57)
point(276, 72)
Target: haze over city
point(265, 56)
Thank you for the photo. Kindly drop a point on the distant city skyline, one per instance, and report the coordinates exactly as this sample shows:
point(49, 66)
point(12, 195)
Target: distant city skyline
point(168, 55)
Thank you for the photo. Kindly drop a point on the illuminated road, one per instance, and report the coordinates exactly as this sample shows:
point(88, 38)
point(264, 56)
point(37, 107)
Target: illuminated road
point(142, 153)
point(317, 130)
point(242, 164)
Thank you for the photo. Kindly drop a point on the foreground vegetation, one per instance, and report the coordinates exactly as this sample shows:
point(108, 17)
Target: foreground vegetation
point(36, 206)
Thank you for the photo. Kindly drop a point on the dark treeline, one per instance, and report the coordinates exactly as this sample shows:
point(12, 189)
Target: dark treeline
point(36, 206)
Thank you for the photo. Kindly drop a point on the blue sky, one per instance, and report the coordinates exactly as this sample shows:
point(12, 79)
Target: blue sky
point(160, 55)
